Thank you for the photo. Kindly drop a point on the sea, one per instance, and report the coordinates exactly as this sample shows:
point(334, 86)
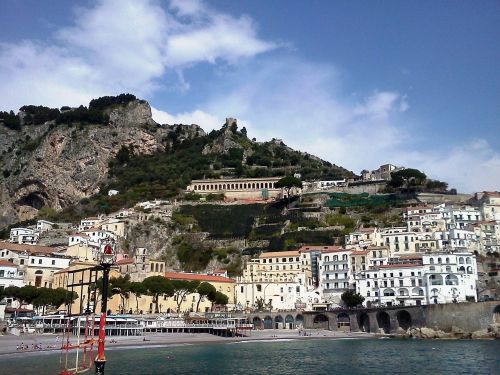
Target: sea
point(308, 357)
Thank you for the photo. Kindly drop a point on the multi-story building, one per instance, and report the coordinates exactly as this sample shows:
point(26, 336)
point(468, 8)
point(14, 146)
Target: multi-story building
point(399, 240)
point(277, 280)
point(490, 205)
point(88, 223)
point(23, 236)
point(37, 263)
point(10, 275)
point(335, 274)
point(488, 237)
point(431, 278)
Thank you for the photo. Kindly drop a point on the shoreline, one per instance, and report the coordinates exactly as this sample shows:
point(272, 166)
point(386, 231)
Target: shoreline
point(8, 343)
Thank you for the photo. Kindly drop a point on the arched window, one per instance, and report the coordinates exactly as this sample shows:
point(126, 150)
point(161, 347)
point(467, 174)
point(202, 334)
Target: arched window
point(344, 257)
point(439, 260)
point(447, 260)
point(431, 260)
point(468, 261)
point(327, 259)
point(451, 280)
point(335, 258)
point(388, 292)
point(461, 260)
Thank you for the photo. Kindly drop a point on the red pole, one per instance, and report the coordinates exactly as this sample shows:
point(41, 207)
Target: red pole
point(102, 336)
point(100, 360)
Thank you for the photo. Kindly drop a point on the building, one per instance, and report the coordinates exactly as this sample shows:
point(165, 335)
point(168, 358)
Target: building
point(37, 263)
point(419, 280)
point(44, 226)
point(87, 223)
point(277, 281)
point(10, 275)
point(334, 274)
point(240, 188)
point(23, 236)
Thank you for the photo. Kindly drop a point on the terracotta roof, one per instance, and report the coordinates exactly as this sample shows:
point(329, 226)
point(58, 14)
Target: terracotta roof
point(197, 276)
point(359, 252)
point(80, 235)
point(370, 229)
point(125, 261)
point(400, 265)
point(340, 249)
point(277, 254)
point(6, 263)
point(305, 249)
point(31, 249)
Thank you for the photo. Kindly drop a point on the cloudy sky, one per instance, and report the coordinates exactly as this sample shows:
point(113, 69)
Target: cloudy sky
point(358, 83)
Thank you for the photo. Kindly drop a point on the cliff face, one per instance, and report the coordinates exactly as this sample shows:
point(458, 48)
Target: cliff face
point(58, 165)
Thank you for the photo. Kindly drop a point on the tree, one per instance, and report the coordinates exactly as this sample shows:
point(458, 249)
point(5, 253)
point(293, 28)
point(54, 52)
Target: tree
point(183, 288)
point(121, 286)
point(406, 178)
point(156, 286)
point(138, 289)
point(288, 183)
point(351, 298)
point(205, 290)
point(221, 299)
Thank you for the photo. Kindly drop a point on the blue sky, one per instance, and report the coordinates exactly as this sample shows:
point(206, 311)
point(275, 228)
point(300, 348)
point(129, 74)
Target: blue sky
point(358, 83)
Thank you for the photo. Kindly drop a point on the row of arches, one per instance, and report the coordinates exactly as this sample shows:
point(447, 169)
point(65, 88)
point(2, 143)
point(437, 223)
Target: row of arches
point(234, 186)
point(288, 322)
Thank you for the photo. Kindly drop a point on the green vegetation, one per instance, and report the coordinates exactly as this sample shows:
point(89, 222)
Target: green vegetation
point(10, 120)
point(407, 178)
point(40, 298)
point(38, 115)
point(351, 298)
point(104, 102)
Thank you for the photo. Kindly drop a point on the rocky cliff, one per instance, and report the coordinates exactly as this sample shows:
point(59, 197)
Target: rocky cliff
point(57, 165)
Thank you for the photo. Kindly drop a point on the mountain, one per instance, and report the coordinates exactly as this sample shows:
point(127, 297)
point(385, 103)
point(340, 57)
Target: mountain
point(67, 159)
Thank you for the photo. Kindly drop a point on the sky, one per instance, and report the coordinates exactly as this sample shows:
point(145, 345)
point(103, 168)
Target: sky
point(357, 83)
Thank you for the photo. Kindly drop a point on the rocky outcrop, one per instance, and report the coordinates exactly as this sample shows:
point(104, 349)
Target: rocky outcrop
point(58, 165)
point(491, 332)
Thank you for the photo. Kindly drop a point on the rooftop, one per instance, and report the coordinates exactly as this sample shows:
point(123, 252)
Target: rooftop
point(277, 254)
point(197, 277)
point(30, 249)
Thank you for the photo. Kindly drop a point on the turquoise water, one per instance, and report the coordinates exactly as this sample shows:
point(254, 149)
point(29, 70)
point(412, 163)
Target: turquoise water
point(291, 357)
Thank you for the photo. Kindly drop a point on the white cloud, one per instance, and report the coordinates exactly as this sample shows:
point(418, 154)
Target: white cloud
point(206, 120)
point(122, 46)
point(303, 104)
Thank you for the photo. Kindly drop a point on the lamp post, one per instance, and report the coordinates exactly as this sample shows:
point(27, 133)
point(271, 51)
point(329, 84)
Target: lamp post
point(106, 257)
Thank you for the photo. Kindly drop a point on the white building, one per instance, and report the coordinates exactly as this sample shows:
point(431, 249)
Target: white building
point(44, 226)
point(279, 281)
point(23, 236)
point(434, 278)
point(9, 275)
point(334, 274)
point(88, 223)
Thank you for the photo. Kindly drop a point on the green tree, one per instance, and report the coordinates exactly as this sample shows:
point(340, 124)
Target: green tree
point(183, 288)
point(407, 178)
point(351, 298)
point(138, 289)
point(288, 183)
point(121, 286)
point(156, 286)
point(220, 299)
point(205, 290)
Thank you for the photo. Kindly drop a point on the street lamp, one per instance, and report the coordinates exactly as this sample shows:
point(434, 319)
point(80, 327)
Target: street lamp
point(106, 258)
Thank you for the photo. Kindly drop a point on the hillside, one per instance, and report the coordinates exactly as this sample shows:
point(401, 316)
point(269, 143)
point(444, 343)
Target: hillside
point(64, 161)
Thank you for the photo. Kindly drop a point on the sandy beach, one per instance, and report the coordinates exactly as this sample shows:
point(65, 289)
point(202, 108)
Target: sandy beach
point(51, 342)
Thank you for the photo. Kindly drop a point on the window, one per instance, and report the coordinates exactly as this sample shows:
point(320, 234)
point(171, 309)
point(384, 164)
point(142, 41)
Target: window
point(39, 261)
point(241, 289)
point(53, 262)
point(259, 288)
point(21, 261)
point(297, 289)
point(32, 261)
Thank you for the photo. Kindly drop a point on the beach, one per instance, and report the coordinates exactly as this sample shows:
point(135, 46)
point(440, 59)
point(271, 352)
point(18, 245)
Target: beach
point(51, 342)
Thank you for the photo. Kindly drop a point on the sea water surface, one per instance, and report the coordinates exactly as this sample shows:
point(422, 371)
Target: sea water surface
point(288, 357)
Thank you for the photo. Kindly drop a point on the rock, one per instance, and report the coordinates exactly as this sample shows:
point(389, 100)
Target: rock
point(400, 331)
point(494, 330)
point(481, 334)
point(65, 164)
point(427, 333)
